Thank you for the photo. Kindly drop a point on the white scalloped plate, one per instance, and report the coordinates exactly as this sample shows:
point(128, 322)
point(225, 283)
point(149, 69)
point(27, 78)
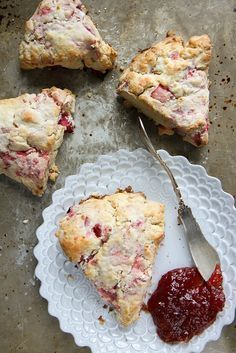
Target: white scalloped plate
point(74, 301)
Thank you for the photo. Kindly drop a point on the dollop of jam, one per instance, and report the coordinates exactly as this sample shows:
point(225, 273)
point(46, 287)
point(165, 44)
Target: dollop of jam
point(184, 305)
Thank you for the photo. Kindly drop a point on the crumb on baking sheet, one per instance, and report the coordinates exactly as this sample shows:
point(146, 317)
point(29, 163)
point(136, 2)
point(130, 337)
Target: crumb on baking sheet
point(25, 221)
point(101, 320)
point(70, 277)
point(53, 173)
point(105, 306)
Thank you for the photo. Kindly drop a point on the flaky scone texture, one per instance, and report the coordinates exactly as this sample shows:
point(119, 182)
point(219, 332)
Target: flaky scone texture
point(168, 83)
point(115, 239)
point(31, 131)
point(61, 33)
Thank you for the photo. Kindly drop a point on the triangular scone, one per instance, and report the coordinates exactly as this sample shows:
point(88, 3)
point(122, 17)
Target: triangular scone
point(31, 131)
point(168, 83)
point(115, 239)
point(61, 33)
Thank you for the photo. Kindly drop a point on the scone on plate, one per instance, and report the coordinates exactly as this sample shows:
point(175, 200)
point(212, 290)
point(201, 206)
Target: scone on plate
point(115, 240)
point(169, 83)
point(31, 131)
point(61, 33)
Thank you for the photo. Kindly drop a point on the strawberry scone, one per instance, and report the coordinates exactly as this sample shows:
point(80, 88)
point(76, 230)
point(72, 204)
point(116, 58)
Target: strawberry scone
point(169, 83)
point(31, 131)
point(61, 33)
point(115, 239)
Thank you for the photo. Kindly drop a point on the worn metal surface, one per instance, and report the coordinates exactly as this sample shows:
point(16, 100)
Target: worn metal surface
point(103, 125)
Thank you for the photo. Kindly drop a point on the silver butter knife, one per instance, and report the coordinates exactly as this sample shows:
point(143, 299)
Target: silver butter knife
point(204, 255)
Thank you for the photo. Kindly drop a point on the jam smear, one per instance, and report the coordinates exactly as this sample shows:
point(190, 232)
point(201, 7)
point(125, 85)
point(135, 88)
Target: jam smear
point(184, 305)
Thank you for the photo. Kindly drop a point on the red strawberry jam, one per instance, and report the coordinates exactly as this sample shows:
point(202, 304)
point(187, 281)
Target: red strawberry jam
point(184, 305)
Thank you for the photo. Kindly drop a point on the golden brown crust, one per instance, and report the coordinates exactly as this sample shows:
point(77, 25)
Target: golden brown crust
point(203, 45)
point(128, 189)
point(71, 246)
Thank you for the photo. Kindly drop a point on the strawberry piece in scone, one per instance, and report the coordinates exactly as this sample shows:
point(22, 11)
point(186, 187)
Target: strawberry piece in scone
point(115, 239)
point(31, 131)
point(168, 83)
point(61, 33)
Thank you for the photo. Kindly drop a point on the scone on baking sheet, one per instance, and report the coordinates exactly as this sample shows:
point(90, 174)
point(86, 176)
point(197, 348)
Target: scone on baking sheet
point(61, 33)
point(169, 83)
point(115, 240)
point(31, 131)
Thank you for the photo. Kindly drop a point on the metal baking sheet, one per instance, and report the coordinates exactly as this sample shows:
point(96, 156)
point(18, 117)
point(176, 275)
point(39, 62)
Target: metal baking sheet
point(103, 125)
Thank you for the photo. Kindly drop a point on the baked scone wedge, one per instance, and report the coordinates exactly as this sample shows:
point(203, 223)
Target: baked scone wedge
point(61, 33)
point(115, 240)
point(169, 83)
point(31, 131)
